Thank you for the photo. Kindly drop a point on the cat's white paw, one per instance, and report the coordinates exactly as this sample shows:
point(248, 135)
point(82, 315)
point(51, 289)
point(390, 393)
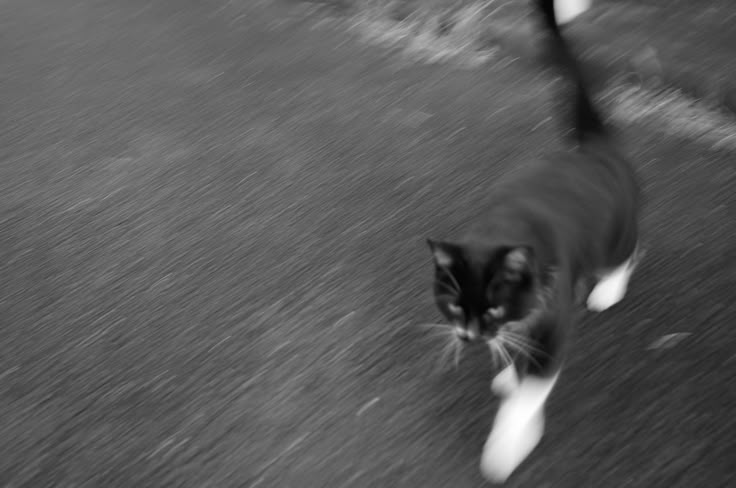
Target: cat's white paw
point(567, 10)
point(510, 442)
point(505, 382)
point(605, 295)
point(517, 428)
point(611, 288)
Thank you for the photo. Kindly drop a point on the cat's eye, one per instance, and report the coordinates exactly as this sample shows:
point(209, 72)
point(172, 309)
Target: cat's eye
point(497, 312)
point(455, 309)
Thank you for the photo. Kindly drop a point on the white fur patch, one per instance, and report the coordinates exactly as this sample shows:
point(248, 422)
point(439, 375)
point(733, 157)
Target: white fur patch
point(567, 10)
point(517, 428)
point(505, 382)
point(611, 288)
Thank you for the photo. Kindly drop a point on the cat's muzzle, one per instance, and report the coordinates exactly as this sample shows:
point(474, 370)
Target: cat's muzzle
point(472, 332)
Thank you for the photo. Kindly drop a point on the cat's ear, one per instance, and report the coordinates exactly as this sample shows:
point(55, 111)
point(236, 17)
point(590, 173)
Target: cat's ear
point(442, 253)
point(519, 261)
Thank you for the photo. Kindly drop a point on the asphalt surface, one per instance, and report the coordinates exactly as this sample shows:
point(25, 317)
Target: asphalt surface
point(212, 264)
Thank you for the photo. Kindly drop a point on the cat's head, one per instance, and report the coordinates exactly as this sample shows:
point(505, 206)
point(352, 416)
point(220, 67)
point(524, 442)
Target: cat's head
point(481, 288)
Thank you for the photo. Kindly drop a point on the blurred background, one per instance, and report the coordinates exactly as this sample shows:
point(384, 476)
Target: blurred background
point(212, 241)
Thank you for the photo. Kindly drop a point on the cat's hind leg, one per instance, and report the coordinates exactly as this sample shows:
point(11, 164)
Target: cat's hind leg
point(612, 285)
point(517, 427)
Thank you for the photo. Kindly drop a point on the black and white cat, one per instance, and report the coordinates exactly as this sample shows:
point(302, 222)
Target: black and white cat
point(511, 281)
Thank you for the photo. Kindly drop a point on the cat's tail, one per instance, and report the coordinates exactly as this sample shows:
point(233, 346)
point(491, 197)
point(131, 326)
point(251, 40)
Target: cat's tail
point(586, 122)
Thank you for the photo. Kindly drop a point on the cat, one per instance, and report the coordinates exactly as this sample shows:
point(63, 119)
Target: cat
point(563, 224)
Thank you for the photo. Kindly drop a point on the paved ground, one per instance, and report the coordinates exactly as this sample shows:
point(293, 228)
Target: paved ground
point(212, 261)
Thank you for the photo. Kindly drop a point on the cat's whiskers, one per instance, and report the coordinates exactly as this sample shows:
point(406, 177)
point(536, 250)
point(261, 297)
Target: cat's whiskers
point(508, 360)
point(517, 344)
point(435, 326)
point(523, 341)
point(519, 349)
point(458, 351)
point(493, 346)
point(442, 332)
point(499, 354)
point(522, 346)
point(444, 354)
point(452, 347)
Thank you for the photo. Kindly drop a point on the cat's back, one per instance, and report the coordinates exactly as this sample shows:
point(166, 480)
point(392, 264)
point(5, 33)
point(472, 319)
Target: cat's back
point(593, 173)
point(585, 194)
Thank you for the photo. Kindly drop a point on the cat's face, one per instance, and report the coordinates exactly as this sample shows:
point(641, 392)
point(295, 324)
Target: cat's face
point(478, 290)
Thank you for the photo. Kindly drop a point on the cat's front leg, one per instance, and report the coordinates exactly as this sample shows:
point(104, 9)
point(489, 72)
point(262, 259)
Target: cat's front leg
point(517, 428)
point(524, 389)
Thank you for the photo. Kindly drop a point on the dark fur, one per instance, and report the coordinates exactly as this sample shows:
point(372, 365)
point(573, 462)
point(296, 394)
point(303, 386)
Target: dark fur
point(572, 214)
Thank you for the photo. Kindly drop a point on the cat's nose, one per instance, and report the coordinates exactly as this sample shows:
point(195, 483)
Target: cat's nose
point(473, 330)
point(461, 333)
point(468, 333)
